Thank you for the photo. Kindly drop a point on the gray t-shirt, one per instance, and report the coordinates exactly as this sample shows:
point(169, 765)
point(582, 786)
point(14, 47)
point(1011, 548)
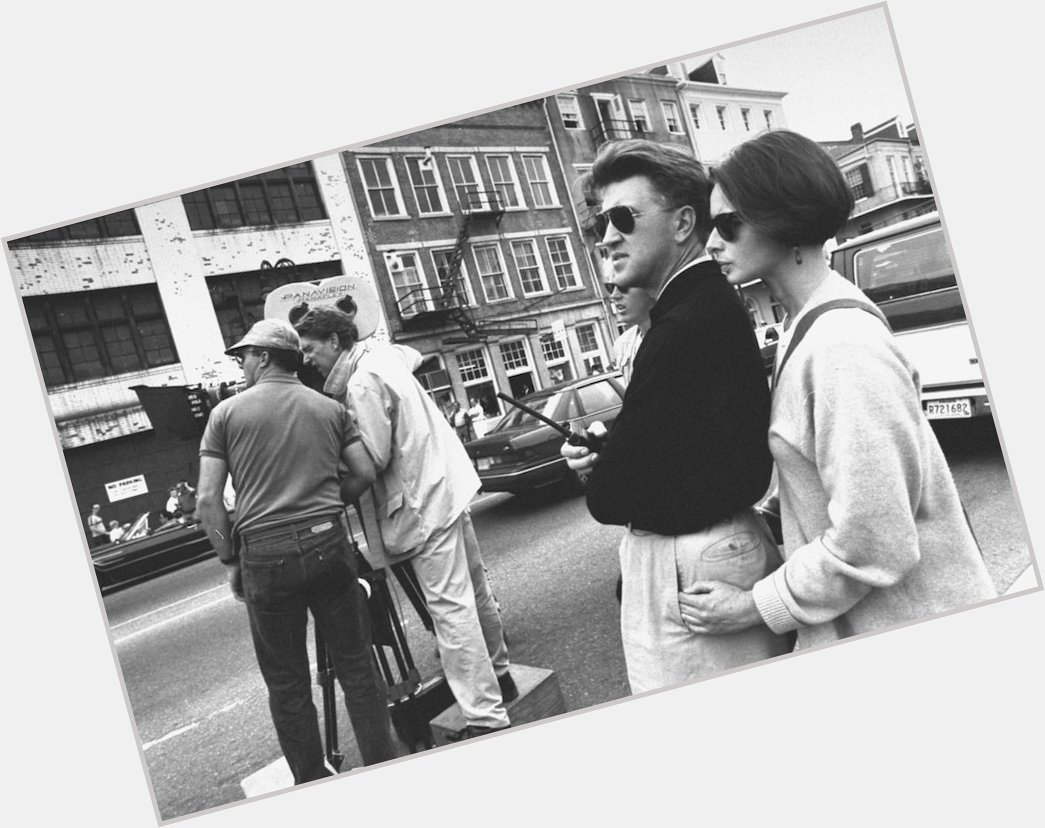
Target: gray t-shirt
point(282, 443)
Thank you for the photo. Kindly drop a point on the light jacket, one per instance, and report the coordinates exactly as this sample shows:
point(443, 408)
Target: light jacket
point(425, 479)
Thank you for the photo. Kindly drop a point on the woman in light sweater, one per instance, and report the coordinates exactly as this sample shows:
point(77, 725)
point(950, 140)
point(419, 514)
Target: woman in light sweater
point(874, 532)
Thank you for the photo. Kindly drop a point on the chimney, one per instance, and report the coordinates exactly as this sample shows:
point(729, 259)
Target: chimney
point(857, 131)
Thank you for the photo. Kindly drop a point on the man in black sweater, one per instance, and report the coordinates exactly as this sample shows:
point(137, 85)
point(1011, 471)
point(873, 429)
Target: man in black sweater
point(688, 453)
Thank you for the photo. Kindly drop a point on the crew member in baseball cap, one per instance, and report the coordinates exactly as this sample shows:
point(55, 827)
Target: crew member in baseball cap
point(268, 333)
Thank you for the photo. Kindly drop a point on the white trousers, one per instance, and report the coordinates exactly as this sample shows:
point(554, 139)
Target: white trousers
point(467, 625)
point(659, 648)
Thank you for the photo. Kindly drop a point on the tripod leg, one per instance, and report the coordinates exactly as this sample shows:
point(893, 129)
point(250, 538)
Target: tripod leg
point(325, 679)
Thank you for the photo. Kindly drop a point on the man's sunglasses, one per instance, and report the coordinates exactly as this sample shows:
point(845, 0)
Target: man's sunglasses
point(240, 356)
point(728, 225)
point(612, 286)
point(621, 217)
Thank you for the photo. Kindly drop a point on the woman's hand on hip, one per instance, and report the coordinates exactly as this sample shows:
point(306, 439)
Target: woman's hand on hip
point(716, 608)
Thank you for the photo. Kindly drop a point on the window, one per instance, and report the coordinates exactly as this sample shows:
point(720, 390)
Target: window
point(639, 115)
point(407, 283)
point(99, 333)
point(859, 181)
point(528, 263)
point(428, 189)
point(555, 357)
point(516, 359)
point(239, 298)
point(694, 114)
point(476, 378)
point(552, 348)
point(745, 115)
point(586, 338)
point(435, 380)
point(721, 111)
point(562, 262)
point(286, 196)
point(443, 260)
point(111, 226)
point(768, 115)
point(591, 352)
point(570, 111)
point(505, 184)
point(671, 116)
point(491, 272)
point(514, 356)
point(465, 178)
point(906, 164)
point(598, 396)
point(542, 191)
point(382, 189)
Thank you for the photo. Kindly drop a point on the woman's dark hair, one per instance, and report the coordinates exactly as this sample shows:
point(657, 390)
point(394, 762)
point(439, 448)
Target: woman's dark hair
point(321, 322)
point(675, 174)
point(787, 187)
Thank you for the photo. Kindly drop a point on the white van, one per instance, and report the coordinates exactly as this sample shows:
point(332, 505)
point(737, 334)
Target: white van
point(906, 270)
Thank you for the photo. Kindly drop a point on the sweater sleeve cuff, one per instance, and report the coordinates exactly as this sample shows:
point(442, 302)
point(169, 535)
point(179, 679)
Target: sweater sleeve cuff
point(771, 606)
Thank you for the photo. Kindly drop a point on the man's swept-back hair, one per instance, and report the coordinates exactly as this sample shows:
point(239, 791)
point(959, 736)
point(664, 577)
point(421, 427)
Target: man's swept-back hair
point(787, 187)
point(321, 322)
point(674, 173)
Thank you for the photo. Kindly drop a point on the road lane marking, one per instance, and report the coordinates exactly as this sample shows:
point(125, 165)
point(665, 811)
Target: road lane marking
point(167, 606)
point(152, 627)
point(192, 725)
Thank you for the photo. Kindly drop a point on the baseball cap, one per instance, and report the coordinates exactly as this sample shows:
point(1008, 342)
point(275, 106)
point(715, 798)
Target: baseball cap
point(269, 333)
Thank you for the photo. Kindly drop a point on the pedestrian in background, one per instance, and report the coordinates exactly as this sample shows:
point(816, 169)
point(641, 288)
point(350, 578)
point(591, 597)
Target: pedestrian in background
point(297, 458)
point(97, 535)
point(874, 532)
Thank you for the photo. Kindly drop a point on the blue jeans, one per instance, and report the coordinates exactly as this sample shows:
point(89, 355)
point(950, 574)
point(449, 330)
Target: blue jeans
point(286, 572)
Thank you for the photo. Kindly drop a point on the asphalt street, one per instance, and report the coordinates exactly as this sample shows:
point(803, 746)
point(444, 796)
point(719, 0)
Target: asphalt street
point(200, 707)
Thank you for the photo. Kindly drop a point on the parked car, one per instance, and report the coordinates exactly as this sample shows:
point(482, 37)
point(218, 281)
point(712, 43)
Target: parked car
point(520, 453)
point(906, 269)
point(143, 553)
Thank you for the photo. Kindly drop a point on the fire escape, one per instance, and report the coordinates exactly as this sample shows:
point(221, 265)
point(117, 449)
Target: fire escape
point(448, 302)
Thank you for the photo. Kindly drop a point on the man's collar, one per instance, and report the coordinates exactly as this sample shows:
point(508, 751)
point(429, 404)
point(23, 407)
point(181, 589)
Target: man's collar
point(702, 257)
point(337, 380)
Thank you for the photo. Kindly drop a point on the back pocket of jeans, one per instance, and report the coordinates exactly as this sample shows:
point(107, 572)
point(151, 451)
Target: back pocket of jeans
point(738, 559)
point(263, 580)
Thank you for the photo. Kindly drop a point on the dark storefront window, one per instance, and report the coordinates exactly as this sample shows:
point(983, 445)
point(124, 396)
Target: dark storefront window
point(112, 226)
point(239, 298)
point(101, 333)
point(286, 196)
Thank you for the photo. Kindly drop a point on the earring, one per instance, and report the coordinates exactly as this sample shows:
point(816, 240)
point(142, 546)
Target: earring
point(798, 256)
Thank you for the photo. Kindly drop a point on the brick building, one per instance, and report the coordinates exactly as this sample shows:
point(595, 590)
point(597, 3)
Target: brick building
point(477, 256)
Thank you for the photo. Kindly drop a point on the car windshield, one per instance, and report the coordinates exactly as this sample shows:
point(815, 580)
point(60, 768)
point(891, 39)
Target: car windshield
point(139, 529)
point(546, 405)
point(905, 267)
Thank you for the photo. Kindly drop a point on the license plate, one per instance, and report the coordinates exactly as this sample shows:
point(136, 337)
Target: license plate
point(484, 463)
point(948, 409)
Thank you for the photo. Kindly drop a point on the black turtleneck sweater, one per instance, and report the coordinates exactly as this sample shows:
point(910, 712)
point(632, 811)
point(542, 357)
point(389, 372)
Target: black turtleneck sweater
point(690, 446)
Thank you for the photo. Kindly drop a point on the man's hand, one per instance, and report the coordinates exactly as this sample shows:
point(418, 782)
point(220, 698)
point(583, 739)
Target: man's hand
point(715, 608)
point(235, 578)
point(579, 458)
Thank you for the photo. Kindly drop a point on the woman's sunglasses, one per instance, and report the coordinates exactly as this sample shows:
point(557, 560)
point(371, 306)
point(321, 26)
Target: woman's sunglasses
point(727, 225)
point(621, 217)
point(612, 286)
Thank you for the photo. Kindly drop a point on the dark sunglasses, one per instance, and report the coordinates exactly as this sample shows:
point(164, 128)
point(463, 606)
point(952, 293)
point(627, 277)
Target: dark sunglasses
point(728, 225)
point(612, 286)
point(621, 217)
point(242, 355)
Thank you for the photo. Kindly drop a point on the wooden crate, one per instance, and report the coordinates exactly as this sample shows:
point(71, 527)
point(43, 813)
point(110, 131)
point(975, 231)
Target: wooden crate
point(539, 698)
